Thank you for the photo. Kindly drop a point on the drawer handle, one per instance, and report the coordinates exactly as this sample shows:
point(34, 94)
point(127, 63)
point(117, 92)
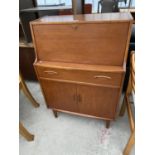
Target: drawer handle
point(102, 76)
point(51, 72)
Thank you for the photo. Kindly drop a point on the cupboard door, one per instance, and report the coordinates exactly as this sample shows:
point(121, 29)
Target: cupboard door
point(60, 95)
point(97, 101)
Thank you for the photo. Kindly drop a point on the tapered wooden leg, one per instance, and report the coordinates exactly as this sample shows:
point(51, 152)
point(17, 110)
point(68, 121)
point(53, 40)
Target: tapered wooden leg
point(129, 144)
point(28, 94)
point(23, 131)
point(55, 113)
point(107, 124)
point(123, 108)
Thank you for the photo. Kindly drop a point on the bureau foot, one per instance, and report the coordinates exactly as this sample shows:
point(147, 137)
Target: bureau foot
point(55, 113)
point(107, 124)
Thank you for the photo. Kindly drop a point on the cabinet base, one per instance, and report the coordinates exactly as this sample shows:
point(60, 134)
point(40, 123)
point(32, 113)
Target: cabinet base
point(55, 111)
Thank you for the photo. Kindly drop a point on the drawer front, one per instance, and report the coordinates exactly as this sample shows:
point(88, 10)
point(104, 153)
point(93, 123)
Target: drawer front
point(93, 77)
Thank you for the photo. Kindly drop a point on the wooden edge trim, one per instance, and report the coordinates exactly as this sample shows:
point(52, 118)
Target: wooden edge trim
point(84, 115)
point(128, 41)
point(79, 22)
point(33, 41)
point(132, 69)
point(130, 114)
point(75, 66)
point(119, 96)
point(42, 89)
point(77, 82)
point(130, 143)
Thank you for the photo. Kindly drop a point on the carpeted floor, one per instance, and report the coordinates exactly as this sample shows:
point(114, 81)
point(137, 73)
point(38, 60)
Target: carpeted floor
point(68, 134)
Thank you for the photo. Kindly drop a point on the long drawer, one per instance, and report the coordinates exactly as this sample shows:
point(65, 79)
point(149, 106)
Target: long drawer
point(94, 77)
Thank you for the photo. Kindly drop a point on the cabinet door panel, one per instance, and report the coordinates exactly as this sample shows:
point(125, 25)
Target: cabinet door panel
point(82, 43)
point(97, 101)
point(60, 95)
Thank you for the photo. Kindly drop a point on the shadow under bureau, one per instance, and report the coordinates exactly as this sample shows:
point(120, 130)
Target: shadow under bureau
point(80, 62)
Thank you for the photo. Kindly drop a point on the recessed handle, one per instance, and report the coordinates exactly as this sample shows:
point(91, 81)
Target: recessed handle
point(51, 72)
point(79, 98)
point(102, 76)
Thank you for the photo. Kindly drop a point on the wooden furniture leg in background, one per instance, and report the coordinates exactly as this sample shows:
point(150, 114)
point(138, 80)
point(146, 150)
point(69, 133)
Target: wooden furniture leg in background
point(23, 131)
point(128, 91)
point(27, 92)
point(127, 105)
point(129, 144)
point(123, 108)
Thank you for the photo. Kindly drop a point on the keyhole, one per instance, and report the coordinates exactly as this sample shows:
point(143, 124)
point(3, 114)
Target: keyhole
point(74, 27)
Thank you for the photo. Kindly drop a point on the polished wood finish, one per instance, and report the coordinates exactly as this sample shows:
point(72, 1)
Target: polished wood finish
point(25, 133)
point(60, 95)
point(72, 74)
point(126, 105)
point(66, 38)
point(83, 67)
point(80, 62)
point(97, 101)
point(83, 115)
point(129, 144)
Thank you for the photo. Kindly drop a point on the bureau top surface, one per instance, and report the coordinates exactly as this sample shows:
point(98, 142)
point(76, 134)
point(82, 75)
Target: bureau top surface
point(85, 18)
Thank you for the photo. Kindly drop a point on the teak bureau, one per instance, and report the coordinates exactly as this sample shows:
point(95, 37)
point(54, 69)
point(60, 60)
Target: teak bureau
point(80, 62)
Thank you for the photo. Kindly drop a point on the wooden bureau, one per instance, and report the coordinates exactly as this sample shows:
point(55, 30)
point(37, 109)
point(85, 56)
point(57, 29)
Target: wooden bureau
point(80, 62)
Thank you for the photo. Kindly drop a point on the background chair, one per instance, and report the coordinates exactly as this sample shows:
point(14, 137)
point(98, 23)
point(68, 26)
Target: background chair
point(108, 6)
point(131, 48)
point(22, 130)
point(126, 104)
